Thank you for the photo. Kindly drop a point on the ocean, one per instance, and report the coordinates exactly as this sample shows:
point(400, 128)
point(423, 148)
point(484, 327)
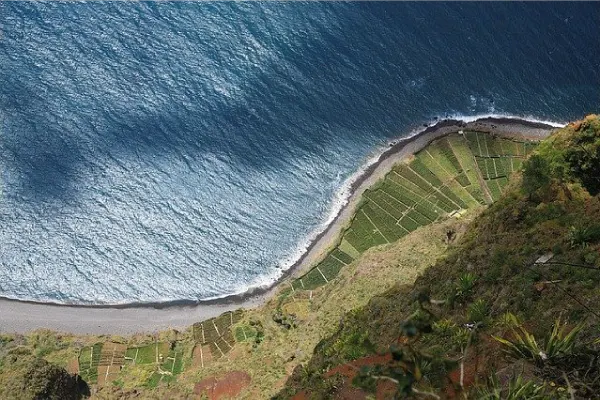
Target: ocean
point(188, 151)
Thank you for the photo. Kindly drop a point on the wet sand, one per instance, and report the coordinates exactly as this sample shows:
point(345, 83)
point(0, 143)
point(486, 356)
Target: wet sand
point(21, 316)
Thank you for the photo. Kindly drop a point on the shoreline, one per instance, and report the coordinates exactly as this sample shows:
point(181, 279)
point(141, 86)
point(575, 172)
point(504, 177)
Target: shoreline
point(128, 318)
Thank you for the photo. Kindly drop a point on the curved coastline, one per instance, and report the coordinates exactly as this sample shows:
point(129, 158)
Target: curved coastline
point(24, 315)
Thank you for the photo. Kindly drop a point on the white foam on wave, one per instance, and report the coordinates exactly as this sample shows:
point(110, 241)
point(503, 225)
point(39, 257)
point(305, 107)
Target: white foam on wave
point(528, 118)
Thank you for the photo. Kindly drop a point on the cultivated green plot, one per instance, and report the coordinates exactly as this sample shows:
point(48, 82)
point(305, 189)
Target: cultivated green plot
point(216, 332)
point(385, 202)
point(313, 279)
point(170, 365)
point(342, 256)
point(417, 166)
point(330, 267)
point(414, 178)
point(453, 173)
point(347, 248)
point(444, 157)
point(385, 223)
point(434, 166)
point(448, 151)
point(245, 333)
point(89, 358)
point(465, 158)
point(409, 223)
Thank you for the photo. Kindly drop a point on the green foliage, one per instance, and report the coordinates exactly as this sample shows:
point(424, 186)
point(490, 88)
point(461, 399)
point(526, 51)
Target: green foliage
point(33, 378)
point(253, 333)
point(352, 346)
point(466, 283)
point(536, 174)
point(44, 342)
point(409, 365)
point(89, 358)
point(583, 154)
point(573, 155)
point(517, 389)
point(509, 320)
point(477, 311)
point(444, 327)
point(559, 342)
point(582, 235)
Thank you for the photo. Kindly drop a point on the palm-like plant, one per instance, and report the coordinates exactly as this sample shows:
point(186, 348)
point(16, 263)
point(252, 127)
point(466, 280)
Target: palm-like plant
point(517, 389)
point(477, 311)
point(466, 283)
point(559, 342)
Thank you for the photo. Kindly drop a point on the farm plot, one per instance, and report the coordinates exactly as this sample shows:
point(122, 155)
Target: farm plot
point(470, 169)
point(89, 358)
point(170, 366)
point(497, 158)
point(456, 172)
point(149, 354)
point(216, 333)
point(112, 358)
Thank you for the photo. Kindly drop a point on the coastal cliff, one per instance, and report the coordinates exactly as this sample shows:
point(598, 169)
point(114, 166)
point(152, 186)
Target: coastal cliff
point(510, 311)
point(450, 257)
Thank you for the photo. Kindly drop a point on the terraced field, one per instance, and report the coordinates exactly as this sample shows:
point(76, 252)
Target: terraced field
point(102, 363)
point(214, 337)
point(452, 174)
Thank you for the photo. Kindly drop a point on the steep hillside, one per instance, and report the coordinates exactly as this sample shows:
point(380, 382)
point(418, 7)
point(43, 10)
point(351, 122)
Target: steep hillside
point(511, 311)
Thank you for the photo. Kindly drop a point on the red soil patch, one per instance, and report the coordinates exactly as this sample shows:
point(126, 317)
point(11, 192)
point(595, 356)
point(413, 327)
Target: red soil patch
point(350, 369)
point(481, 359)
point(385, 389)
point(300, 396)
point(229, 386)
point(73, 366)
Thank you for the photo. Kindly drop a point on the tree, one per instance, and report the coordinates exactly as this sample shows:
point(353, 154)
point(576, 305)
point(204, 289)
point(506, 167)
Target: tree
point(36, 379)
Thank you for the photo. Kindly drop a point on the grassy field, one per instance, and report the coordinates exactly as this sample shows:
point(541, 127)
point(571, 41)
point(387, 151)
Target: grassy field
point(454, 173)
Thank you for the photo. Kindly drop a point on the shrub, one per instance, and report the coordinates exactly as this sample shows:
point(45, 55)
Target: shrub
point(559, 342)
point(536, 174)
point(517, 389)
point(477, 311)
point(466, 283)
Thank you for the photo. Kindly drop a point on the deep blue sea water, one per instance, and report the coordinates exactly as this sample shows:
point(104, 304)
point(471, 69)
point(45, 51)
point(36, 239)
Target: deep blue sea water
point(165, 151)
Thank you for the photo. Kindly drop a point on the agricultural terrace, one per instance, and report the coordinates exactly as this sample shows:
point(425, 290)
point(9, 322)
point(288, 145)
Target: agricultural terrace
point(214, 337)
point(107, 363)
point(454, 173)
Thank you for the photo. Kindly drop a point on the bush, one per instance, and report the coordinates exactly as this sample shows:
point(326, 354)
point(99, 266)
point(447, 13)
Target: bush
point(536, 175)
point(517, 389)
point(477, 311)
point(35, 378)
point(559, 342)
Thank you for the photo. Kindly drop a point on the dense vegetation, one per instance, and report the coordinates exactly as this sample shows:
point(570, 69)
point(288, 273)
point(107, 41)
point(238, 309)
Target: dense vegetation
point(510, 312)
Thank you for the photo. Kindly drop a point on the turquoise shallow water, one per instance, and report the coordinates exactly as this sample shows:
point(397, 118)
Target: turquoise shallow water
point(169, 151)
